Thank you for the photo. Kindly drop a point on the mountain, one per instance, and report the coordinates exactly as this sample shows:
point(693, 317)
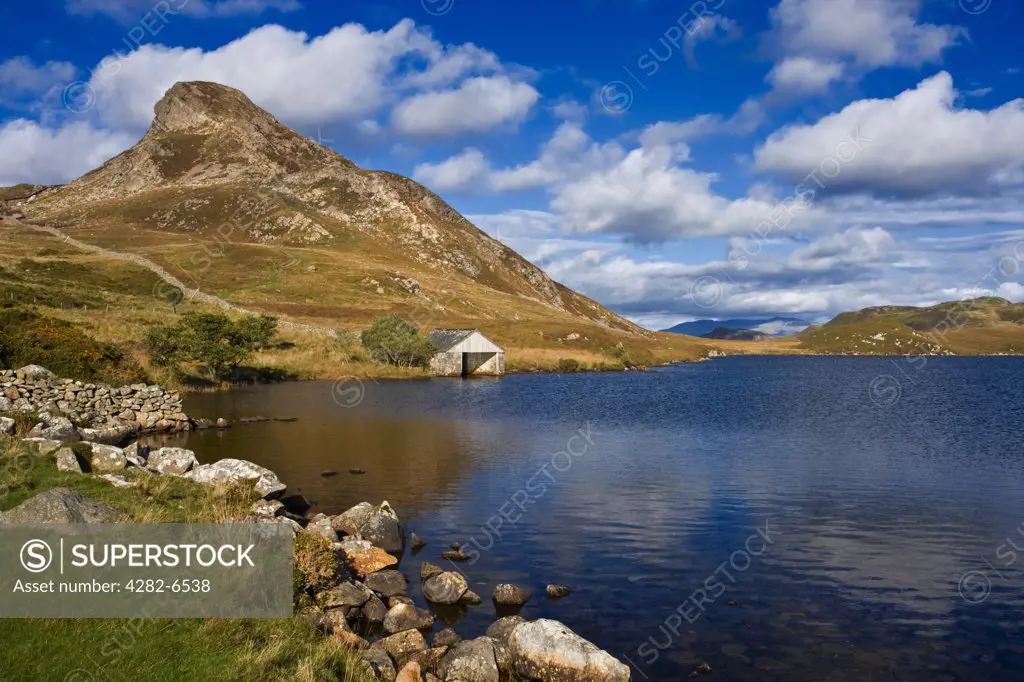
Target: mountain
point(980, 326)
point(227, 199)
point(726, 334)
point(774, 326)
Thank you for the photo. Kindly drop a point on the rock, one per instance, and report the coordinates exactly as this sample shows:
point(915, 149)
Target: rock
point(7, 426)
point(445, 588)
point(60, 505)
point(350, 544)
point(136, 455)
point(34, 372)
point(428, 659)
point(366, 561)
point(403, 643)
point(268, 508)
point(378, 661)
point(118, 481)
point(351, 640)
point(334, 621)
point(42, 446)
point(557, 591)
point(547, 650)
point(56, 428)
point(222, 423)
point(471, 597)
point(455, 555)
point(502, 628)
point(410, 673)
point(384, 530)
point(446, 637)
point(266, 481)
point(321, 525)
point(400, 599)
point(345, 594)
point(374, 610)
point(67, 461)
point(349, 522)
point(416, 542)
point(118, 434)
point(471, 661)
point(428, 569)
point(107, 459)
point(388, 583)
point(328, 474)
point(702, 669)
point(357, 472)
point(172, 461)
point(511, 595)
point(405, 617)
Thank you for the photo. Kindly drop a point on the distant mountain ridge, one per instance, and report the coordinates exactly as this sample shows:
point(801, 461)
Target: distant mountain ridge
point(773, 326)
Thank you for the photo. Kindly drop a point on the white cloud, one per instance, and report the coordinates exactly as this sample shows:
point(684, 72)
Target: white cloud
point(35, 154)
point(457, 174)
point(20, 76)
point(478, 105)
point(135, 10)
point(916, 144)
point(804, 76)
point(872, 33)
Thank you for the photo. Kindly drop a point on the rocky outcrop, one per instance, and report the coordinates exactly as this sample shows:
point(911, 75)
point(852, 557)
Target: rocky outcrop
point(548, 650)
point(105, 411)
point(60, 505)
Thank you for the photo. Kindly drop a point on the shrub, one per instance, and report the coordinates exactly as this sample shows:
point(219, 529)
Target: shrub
point(393, 340)
point(569, 365)
point(211, 340)
point(316, 569)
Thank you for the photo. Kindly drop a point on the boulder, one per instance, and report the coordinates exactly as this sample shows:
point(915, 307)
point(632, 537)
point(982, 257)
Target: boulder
point(379, 525)
point(60, 505)
point(506, 594)
point(428, 659)
point(428, 569)
point(345, 594)
point(34, 372)
point(365, 561)
point(548, 650)
point(405, 617)
point(403, 643)
point(558, 591)
point(321, 525)
point(352, 640)
point(445, 588)
point(379, 662)
point(417, 542)
point(471, 661)
point(374, 610)
point(117, 434)
point(388, 583)
point(471, 597)
point(266, 481)
point(136, 455)
point(502, 628)
point(107, 459)
point(400, 599)
point(67, 461)
point(446, 637)
point(56, 428)
point(7, 426)
point(267, 509)
point(172, 461)
point(118, 481)
point(333, 621)
point(411, 672)
point(42, 446)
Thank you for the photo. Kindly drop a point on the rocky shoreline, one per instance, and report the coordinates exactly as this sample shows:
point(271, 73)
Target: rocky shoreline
point(366, 606)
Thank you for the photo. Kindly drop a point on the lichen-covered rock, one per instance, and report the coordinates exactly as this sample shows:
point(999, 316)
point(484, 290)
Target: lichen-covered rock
point(42, 446)
point(502, 628)
point(379, 525)
point(410, 672)
point(548, 650)
point(445, 588)
point(558, 591)
point(405, 617)
point(321, 525)
point(471, 661)
point(116, 434)
point(345, 594)
point(379, 662)
point(268, 508)
point(67, 461)
point(265, 481)
point(107, 459)
point(403, 643)
point(364, 561)
point(374, 610)
point(60, 505)
point(446, 637)
point(388, 582)
point(55, 428)
point(506, 594)
point(7, 426)
point(172, 461)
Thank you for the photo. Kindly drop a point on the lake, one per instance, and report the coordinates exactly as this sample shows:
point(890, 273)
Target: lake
point(779, 518)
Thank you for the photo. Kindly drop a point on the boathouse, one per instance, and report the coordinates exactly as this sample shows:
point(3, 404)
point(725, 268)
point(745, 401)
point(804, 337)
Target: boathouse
point(465, 352)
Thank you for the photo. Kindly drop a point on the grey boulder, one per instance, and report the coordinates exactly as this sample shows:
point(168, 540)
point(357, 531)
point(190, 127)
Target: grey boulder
point(380, 525)
point(445, 588)
point(388, 582)
point(548, 650)
point(67, 461)
point(471, 661)
point(117, 434)
point(60, 505)
point(171, 461)
point(511, 595)
point(7, 426)
point(265, 481)
point(55, 428)
point(107, 459)
point(403, 617)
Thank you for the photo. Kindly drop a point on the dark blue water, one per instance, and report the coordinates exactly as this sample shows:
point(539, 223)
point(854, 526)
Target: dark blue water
point(778, 518)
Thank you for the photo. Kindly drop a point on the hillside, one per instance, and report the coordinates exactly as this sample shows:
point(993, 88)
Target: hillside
point(726, 334)
point(228, 200)
point(981, 326)
point(773, 326)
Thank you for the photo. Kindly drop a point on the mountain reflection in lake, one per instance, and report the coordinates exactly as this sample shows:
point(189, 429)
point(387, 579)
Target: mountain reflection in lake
point(885, 521)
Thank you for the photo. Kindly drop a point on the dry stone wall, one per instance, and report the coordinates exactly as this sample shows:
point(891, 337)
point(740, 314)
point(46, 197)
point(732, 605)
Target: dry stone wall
point(36, 389)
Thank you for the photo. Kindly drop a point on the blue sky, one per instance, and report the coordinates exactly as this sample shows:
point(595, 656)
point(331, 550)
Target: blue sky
point(671, 159)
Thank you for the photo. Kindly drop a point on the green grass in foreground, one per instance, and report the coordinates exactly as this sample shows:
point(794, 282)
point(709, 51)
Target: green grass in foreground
point(157, 650)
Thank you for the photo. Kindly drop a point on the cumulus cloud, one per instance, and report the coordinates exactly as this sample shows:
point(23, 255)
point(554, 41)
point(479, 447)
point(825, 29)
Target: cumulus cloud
point(135, 10)
point(20, 76)
point(477, 105)
point(36, 154)
point(916, 144)
point(459, 173)
point(804, 75)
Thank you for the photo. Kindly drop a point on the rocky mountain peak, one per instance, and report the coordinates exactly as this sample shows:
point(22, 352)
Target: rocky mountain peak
point(194, 105)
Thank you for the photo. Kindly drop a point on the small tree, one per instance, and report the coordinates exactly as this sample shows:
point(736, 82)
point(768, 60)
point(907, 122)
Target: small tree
point(209, 339)
point(393, 340)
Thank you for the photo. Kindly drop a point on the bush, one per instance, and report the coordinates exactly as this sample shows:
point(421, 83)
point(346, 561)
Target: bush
point(27, 338)
point(316, 569)
point(393, 340)
point(211, 340)
point(569, 365)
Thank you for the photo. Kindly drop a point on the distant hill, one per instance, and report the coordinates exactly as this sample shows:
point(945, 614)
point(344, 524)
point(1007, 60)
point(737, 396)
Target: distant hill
point(981, 326)
point(774, 326)
point(724, 334)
